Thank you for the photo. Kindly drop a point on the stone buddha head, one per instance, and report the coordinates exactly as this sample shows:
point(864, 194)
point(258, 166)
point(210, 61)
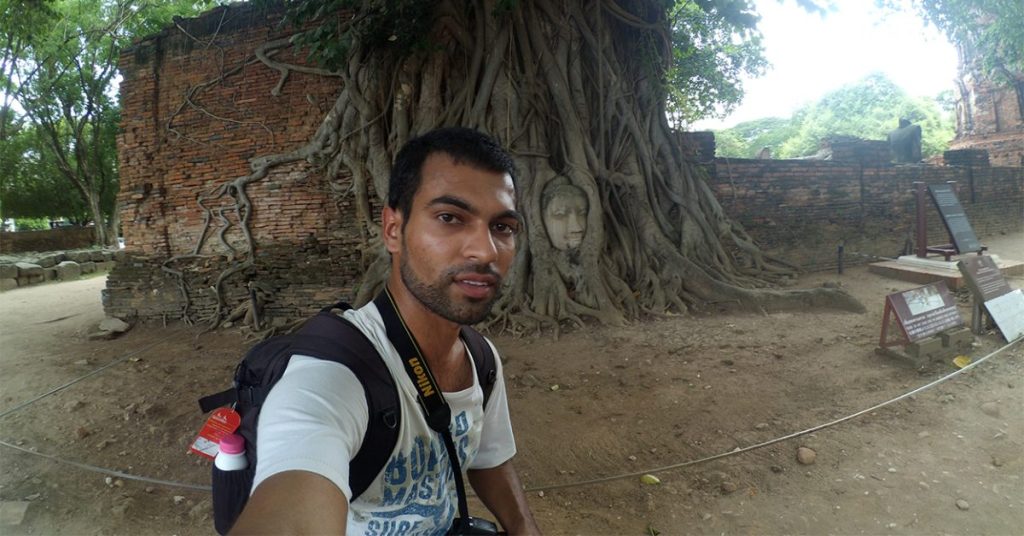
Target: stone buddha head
point(565, 209)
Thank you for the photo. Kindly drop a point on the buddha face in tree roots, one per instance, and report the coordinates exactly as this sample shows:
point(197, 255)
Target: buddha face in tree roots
point(565, 215)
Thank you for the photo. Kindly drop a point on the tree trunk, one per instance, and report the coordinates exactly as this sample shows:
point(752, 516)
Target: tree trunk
point(99, 222)
point(573, 90)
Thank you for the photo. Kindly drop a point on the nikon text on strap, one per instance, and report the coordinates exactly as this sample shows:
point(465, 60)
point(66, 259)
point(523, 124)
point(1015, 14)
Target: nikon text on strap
point(436, 410)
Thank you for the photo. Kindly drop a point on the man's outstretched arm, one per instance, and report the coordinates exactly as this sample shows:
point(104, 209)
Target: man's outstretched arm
point(500, 490)
point(294, 502)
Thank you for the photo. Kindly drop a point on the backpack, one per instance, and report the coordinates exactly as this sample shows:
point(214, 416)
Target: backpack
point(328, 336)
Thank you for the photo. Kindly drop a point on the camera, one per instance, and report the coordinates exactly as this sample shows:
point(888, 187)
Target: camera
point(472, 526)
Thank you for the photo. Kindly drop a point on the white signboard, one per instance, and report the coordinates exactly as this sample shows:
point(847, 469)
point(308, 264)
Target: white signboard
point(1008, 312)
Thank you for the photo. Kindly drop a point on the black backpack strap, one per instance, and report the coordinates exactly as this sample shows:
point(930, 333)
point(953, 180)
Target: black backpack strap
point(211, 402)
point(353, 349)
point(483, 360)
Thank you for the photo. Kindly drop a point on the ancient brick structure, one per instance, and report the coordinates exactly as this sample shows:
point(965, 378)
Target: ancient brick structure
point(990, 111)
point(197, 106)
point(47, 240)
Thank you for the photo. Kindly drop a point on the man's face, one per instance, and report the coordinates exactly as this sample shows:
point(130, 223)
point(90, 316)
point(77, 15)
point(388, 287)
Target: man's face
point(458, 240)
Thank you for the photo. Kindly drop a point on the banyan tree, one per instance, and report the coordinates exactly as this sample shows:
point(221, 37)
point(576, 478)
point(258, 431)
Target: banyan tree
point(619, 223)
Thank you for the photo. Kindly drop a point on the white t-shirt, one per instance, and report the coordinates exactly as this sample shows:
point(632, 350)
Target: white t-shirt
point(315, 419)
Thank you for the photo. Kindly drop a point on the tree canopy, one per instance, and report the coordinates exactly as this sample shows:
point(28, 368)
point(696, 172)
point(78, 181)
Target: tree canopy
point(58, 73)
point(699, 50)
point(868, 109)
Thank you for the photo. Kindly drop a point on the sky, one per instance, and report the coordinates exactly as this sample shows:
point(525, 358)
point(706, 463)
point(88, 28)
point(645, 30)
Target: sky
point(812, 55)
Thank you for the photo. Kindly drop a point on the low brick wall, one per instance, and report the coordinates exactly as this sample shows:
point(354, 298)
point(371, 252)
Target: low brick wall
point(297, 282)
point(800, 210)
point(48, 240)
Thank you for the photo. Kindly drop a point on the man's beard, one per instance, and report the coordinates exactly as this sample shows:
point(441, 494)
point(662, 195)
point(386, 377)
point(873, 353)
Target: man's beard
point(434, 296)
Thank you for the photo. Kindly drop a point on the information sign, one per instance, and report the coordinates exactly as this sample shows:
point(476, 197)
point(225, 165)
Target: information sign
point(921, 312)
point(983, 277)
point(954, 218)
point(1008, 313)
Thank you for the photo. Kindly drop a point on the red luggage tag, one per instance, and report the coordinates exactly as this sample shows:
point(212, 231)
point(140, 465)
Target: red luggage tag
point(222, 421)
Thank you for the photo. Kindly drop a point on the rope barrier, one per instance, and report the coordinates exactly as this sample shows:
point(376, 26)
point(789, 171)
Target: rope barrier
point(778, 439)
point(105, 471)
point(118, 361)
point(580, 483)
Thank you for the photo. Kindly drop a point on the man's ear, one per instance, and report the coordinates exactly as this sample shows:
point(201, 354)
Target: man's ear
point(391, 220)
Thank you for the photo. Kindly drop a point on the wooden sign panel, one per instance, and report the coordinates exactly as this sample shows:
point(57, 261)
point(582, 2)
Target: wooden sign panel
point(922, 312)
point(983, 277)
point(1008, 313)
point(954, 218)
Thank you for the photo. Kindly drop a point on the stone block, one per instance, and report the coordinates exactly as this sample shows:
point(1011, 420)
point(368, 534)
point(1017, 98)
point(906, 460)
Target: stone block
point(51, 260)
point(88, 267)
point(69, 270)
point(120, 255)
point(930, 349)
point(96, 256)
point(8, 271)
point(105, 266)
point(957, 339)
point(8, 283)
point(28, 269)
point(79, 256)
point(27, 280)
point(50, 274)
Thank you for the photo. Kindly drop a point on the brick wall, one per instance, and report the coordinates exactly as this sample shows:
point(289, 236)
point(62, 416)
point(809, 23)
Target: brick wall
point(802, 210)
point(47, 240)
point(176, 143)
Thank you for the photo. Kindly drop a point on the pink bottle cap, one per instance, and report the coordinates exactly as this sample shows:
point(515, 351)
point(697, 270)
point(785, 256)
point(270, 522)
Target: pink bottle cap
point(232, 444)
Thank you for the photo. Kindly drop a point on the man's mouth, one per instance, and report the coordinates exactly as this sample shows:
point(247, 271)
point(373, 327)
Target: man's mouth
point(477, 286)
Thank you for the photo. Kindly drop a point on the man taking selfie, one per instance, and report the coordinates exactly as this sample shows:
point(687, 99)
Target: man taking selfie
point(450, 225)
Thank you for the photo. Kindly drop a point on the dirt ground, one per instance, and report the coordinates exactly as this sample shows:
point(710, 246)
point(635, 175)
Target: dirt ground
point(948, 460)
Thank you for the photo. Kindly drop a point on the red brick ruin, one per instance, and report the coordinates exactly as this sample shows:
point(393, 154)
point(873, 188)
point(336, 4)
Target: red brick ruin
point(197, 105)
point(990, 113)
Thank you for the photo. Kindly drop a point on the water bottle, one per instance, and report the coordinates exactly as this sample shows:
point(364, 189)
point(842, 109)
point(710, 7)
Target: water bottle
point(231, 456)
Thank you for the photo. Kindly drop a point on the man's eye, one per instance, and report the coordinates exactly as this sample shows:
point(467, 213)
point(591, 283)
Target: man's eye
point(447, 218)
point(505, 228)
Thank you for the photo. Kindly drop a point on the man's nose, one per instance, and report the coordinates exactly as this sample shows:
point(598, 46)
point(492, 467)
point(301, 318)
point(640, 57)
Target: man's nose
point(480, 245)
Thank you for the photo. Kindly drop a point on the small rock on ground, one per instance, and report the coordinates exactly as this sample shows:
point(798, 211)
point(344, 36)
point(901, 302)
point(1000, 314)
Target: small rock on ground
point(962, 504)
point(990, 408)
point(115, 325)
point(806, 456)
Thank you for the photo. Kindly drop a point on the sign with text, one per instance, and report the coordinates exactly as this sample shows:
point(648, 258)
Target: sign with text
point(954, 218)
point(924, 311)
point(1008, 313)
point(983, 277)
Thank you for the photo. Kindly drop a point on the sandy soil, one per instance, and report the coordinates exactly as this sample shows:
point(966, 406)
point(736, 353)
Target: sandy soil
point(946, 461)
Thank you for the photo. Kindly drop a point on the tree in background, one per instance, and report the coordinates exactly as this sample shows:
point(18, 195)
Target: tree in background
point(31, 186)
point(868, 109)
point(58, 70)
point(713, 45)
point(747, 139)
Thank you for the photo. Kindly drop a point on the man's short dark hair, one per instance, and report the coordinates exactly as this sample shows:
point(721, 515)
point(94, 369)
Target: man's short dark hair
point(464, 145)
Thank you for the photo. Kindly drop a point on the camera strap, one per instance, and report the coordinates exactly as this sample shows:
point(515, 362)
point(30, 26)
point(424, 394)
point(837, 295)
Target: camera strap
point(435, 408)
